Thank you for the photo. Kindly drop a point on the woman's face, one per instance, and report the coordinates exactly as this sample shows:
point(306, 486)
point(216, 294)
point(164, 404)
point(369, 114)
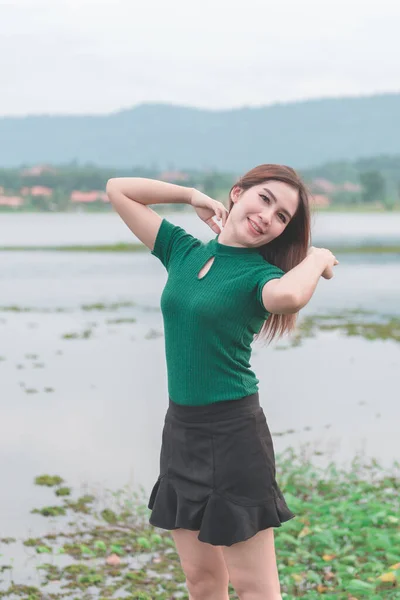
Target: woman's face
point(262, 213)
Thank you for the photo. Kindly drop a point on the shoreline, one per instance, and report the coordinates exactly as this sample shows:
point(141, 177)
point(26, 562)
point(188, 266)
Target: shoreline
point(129, 248)
point(333, 208)
point(103, 541)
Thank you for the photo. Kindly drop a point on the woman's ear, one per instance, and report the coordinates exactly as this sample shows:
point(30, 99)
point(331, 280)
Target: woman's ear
point(235, 193)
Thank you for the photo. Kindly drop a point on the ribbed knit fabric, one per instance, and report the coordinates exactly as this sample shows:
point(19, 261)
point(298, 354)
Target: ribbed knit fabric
point(209, 323)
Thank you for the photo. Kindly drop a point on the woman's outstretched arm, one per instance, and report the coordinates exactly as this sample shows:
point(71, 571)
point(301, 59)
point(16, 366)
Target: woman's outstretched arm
point(294, 290)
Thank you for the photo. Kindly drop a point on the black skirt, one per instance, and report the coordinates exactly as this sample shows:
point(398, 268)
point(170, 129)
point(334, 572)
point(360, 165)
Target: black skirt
point(217, 472)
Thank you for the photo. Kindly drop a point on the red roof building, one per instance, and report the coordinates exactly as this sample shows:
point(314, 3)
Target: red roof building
point(13, 201)
point(84, 197)
point(173, 176)
point(319, 200)
point(37, 170)
point(323, 185)
point(36, 190)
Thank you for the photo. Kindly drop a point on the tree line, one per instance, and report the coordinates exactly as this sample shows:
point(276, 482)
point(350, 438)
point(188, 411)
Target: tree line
point(370, 181)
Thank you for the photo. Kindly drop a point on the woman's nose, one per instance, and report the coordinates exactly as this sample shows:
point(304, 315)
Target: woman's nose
point(266, 217)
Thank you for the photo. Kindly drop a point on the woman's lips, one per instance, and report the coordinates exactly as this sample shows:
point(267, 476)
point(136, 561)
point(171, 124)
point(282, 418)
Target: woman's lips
point(252, 229)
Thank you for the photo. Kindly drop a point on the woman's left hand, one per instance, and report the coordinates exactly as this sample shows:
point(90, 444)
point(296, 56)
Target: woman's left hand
point(207, 209)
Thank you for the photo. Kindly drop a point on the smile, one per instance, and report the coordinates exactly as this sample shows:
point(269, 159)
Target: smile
point(255, 227)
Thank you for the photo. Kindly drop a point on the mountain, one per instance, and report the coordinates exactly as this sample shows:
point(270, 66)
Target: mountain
point(300, 134)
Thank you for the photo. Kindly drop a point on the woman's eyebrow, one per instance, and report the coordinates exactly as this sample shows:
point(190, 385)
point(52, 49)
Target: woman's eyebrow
point(274, 198)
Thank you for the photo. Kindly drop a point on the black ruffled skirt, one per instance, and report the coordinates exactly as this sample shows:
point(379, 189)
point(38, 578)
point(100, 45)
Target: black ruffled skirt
point(217, 472)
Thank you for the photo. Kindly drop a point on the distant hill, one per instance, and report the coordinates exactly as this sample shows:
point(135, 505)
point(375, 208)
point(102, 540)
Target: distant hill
point(300, 134)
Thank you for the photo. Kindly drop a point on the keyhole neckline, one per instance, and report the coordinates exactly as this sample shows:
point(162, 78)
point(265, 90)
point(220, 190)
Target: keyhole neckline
point(231, 250)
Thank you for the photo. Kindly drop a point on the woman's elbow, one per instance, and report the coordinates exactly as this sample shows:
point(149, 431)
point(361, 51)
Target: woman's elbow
point(290, 307)
point(110, 185)
point(287, 304)
point(113, 190)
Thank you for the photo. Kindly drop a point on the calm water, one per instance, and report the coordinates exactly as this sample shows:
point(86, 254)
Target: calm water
point(84, 228)
point(102, 422)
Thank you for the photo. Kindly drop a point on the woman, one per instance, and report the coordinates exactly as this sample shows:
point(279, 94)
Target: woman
point(216, 490)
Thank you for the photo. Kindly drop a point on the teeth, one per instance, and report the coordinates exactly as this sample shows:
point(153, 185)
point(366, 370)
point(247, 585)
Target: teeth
point(255, 226)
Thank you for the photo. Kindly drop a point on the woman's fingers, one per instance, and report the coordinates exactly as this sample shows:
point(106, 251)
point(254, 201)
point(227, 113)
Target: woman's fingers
point(221, 213)
point(214, 226)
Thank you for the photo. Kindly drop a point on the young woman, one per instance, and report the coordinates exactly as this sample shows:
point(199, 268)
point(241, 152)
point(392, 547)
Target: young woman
point(217, 491)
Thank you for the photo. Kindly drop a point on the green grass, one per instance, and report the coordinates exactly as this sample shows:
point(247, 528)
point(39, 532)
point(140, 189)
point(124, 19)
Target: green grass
point(343, 544)
point(372, 249)
point(78, 248)
point(356, 208)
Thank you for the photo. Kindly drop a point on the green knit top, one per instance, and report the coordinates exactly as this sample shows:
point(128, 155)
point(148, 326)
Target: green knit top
point(209, 323)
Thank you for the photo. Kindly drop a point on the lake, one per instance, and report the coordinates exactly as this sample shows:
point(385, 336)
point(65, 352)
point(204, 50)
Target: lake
point(46, 229)
point(83, 390)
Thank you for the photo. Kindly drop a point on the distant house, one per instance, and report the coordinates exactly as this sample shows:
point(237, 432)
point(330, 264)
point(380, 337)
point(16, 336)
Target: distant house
point(36, 190)
point(173, 176)
point(37, 170)
point(13, 201)
point(347, 186)
point(319, 200)
point(1, 190)
point(323, 185)
point(85, 197)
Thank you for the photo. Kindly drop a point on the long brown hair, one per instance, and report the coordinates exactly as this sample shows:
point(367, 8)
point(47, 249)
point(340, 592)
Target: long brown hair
point(291, 246)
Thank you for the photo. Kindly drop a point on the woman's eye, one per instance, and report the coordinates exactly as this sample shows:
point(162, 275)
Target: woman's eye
point(268, 200)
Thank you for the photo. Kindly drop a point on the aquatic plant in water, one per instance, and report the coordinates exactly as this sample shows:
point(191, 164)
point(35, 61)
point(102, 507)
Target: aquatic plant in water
point(344, 543)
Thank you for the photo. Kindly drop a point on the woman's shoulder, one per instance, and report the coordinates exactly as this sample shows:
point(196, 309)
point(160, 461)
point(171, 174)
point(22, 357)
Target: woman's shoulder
point(172, 240)
point(262, 266)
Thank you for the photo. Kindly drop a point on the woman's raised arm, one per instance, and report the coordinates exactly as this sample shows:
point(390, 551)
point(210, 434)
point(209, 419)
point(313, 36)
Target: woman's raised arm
point(293, 290)
point(130, 197)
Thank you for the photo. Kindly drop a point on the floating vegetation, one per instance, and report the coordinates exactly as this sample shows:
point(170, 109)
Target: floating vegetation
point(344, 543)
point(81, 505)
point(103, 306)
point(63, 491)
point(121, 321)
point(24, 309)
point(123, 247)
point(15, 309)
point(84, 335)
point(48, 480)
point(365, 324)
point(96, 306)
point(49, 511)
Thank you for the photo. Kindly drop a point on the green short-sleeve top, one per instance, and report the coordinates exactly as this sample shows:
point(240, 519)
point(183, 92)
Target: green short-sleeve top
point(210, 322)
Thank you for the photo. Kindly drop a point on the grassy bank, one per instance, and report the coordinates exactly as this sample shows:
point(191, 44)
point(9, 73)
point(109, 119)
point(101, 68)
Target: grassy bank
point(368, 325)
point(344, 543)
point(372, 249)
point(334, 208)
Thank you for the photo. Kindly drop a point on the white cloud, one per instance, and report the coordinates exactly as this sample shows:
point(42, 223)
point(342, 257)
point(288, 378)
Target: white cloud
point(86, 56)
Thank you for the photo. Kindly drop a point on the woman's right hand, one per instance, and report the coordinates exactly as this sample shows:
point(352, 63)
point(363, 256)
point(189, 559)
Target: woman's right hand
point(325, 257)
point(207, 208)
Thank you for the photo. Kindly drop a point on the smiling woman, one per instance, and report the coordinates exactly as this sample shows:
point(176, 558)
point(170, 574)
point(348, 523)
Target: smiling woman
point(217, 490)
point(269, 209)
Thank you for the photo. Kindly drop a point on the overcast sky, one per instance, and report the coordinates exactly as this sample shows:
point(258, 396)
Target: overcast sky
point(87, 57)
